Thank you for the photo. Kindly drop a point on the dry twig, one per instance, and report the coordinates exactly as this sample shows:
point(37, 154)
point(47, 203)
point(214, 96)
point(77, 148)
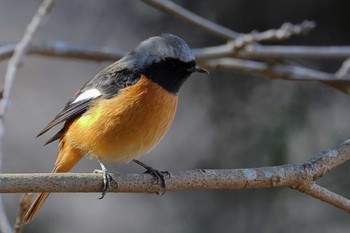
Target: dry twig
point(23, 207)
point(191, 18)
point(12, 67)
point(344, 70)
point(94, 53)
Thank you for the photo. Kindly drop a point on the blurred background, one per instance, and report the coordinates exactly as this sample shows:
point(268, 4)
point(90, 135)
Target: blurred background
point(225, 121)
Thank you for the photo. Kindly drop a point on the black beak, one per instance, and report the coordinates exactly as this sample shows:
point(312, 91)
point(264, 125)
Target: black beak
point(199, 69)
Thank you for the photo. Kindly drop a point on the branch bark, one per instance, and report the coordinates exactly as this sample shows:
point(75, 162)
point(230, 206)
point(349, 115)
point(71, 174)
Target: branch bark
point(301, 176)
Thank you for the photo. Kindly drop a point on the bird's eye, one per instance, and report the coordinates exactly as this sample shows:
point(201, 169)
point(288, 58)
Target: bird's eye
point(172, 64)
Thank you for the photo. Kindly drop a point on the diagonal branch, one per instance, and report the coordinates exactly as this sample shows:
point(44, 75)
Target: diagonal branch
point(191, 18)
point(344, 70)
point(14, 63)
point(23, 207)
point(299, 176)
point(325, 195)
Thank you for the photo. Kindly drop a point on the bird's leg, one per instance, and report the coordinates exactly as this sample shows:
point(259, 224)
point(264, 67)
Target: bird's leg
point(159, 175)
point(107, 178)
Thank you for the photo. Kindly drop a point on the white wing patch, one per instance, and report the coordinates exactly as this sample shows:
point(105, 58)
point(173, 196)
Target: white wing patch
point(88, 94)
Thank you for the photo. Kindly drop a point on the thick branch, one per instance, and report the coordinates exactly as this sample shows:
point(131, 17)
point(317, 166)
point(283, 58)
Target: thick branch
point(292, 175)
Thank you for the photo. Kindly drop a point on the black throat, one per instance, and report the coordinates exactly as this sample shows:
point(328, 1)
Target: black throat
point(169, 73)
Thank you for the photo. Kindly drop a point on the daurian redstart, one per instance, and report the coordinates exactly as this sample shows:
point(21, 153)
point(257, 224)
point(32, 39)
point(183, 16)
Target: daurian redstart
point(125, 110)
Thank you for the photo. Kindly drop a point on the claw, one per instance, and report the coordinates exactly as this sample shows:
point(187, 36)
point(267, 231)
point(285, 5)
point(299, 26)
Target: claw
point(107, 178)
point(159, 175)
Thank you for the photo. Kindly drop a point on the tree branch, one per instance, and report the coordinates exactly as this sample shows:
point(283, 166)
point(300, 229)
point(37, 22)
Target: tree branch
point(68, 50)
point(344, 70)
point(299, 176)
point(94, 53)
point(14, 63)
point(272, 52)
point(325, 195)
point(275, 71)
point(279, 71)
point(191, 18)
point(23, 207)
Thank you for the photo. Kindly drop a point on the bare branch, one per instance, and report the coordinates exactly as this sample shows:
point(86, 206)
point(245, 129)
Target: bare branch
point(94, 53)
point(205, 55)
point(344, 71)
point(68, 50)
point(20, 51)
point(275, 71)
point(191, 18)
point(24, 205)
point(295, 52)
point(278, 71)
point(273, 52)
point(325, 195)
point(298, 176)
point(12, 67)
point(284, 32)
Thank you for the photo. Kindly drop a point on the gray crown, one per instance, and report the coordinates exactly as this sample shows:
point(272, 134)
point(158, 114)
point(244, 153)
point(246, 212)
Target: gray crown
point(156, 49)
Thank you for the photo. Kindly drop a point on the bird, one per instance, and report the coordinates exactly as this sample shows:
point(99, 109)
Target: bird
point(124, 111)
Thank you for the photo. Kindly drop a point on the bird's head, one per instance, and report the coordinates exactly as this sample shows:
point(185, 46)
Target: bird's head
point(165, 59)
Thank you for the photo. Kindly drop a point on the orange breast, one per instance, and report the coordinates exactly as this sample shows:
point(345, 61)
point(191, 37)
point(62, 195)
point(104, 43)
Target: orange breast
point(126, 126)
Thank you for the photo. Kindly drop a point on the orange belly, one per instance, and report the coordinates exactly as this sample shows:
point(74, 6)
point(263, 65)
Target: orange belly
point(126, 126)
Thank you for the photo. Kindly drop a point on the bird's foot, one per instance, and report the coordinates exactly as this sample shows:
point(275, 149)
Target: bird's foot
point(159, 175)
point(107, 179)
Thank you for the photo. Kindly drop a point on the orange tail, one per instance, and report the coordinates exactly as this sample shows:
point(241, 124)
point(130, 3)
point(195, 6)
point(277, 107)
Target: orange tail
point(67, 158)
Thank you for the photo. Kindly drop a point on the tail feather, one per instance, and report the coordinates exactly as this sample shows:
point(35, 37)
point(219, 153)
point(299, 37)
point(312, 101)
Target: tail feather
point(67, 158)
point(35, 207)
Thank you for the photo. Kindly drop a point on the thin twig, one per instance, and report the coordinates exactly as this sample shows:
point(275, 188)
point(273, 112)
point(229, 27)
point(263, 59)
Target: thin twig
point(191, 18)
point(275, 71)
point(295, 52)
point(67, 50)
point(12, 67)
point(325, 195)
point(344, 70)
point(283, 33)
point(278, 71)
point(299, 176)
point(20, 51)
point(23, 207)
point(272, 52)
point(94, 53)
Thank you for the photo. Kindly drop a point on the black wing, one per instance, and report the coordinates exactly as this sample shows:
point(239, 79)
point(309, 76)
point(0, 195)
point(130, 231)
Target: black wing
point(69, 112)
point(108, 82)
